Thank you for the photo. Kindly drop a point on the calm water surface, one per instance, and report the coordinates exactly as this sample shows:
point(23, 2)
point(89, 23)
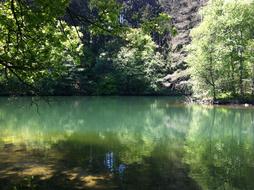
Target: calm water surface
point(127, 143)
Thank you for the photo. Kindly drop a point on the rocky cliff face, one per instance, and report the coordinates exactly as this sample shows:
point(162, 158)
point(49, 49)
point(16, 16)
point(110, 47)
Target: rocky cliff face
point(185, 17)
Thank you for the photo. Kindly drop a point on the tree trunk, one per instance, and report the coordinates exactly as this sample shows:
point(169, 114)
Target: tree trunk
point(241, 67)
point(252, 91)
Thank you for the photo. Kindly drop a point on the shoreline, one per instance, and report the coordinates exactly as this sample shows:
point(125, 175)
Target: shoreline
point(245, 102)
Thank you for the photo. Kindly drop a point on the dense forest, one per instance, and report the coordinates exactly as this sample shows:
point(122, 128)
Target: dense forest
point(127, 47)
point(82, 47)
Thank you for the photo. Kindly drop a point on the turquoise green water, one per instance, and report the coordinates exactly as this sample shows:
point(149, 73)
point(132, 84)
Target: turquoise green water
point(124, 143)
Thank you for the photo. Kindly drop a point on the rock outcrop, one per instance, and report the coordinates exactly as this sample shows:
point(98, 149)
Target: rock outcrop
point(185, 17)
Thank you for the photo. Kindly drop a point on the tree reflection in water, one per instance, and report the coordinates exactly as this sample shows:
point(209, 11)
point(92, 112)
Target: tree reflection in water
point(124, 143)
point(220, 148)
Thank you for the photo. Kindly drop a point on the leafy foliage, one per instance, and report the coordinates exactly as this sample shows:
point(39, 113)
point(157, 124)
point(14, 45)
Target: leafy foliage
point(221, 54)
point(139, 63)
point(109, 38)
point(42, 43)
point(34, 43)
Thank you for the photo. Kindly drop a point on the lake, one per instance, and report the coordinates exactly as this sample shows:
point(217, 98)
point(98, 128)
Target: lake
point(126, 143)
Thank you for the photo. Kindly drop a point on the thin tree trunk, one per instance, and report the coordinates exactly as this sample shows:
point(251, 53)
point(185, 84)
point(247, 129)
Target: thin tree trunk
point(241, 69)
point(212, 77)
point(232, 76)
point(252, 92)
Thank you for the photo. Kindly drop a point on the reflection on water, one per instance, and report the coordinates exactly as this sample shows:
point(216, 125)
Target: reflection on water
point(124, 143)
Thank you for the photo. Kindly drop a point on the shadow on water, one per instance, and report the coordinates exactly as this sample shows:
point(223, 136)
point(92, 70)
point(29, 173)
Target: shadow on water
point(124, 143)
point(75, 164)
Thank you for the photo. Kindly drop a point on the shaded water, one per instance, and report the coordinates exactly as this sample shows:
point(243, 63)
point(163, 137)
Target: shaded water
point(124, 143)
